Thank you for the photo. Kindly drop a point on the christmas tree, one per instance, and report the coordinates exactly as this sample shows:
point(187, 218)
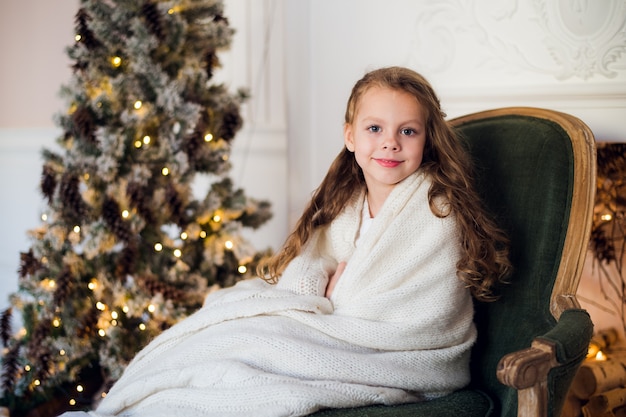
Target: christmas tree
point(124, 249)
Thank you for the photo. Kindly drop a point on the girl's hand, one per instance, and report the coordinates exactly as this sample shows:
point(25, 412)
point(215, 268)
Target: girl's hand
point(333, 279)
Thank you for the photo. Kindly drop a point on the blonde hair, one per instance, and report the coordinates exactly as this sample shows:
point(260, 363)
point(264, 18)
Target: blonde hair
point(484, 247)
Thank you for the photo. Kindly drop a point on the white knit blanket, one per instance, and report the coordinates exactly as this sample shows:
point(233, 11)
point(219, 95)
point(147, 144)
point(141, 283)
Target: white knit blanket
point(398, 327)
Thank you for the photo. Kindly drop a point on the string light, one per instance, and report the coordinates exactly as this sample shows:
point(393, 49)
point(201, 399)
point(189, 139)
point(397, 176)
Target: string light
point(27, 368)
point(114, 315)
point(178, 253)
point(142, 326)
point(79, 388)
point(242, 269)
point(203, 234)
point(102, 333)
point(56, 322)
point(77, 38)
point(151, 308)
point(62, 352)
point(125, 214)
point(208, 137)
point(72, 401)
point(138, 144)
point(184, 235)
point(158, 247)
point(101, 306)
point(76, 229)
point(116, 61)
point(217, 218)
point(228, 244)
point(146, 140)
point(93, 284)
point(606, 217)
point(44, 217)
point(165, 171)
point(137, 104)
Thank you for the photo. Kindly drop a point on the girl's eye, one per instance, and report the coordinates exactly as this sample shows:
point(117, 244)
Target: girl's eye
point(374, 129)
point(407, 131)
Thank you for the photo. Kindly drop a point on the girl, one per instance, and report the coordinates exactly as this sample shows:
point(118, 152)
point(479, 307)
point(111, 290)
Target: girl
point(368, 302)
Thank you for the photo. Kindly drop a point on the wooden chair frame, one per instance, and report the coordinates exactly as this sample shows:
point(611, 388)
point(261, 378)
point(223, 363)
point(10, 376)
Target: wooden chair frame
point(527, 370)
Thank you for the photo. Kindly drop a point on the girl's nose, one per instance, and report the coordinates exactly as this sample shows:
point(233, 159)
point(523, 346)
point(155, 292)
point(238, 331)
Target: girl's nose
point(391, 143)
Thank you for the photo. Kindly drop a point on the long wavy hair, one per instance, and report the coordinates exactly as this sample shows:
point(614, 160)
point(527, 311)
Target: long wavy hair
point(484, 258)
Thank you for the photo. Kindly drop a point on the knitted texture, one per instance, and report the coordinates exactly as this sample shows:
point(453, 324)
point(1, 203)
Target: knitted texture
point(398, 327)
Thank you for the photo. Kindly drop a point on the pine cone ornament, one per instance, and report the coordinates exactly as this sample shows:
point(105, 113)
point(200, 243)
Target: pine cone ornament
point(74, 208)
point(5, 326)
point(137, 195)
point(154, 286)
point(85, 126)
point(111, 214)
point(176, 205)
point(63, 287)
point(48, 183)
point(29, 264)
point(150, 12)
point(211, 61)
point(88, 325)
point(231, 122)
point(82, 26)
point(10, 368)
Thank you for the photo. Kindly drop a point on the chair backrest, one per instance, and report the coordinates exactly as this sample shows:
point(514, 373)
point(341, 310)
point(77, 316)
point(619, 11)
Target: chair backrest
point(535, 170)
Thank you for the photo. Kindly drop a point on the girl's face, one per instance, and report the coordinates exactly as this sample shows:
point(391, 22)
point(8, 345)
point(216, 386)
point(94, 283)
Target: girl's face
point(387, 136)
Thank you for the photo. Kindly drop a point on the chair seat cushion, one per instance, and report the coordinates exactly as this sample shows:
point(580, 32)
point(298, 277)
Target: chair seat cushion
point(466, 403)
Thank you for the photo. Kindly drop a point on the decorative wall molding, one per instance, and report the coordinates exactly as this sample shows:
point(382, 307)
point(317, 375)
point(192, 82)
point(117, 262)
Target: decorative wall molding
point(575, 40)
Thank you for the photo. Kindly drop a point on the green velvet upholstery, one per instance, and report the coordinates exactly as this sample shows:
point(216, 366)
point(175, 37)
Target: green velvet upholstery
point(525, 174)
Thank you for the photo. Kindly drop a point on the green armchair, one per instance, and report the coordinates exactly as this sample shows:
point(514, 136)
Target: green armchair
point(536, 172)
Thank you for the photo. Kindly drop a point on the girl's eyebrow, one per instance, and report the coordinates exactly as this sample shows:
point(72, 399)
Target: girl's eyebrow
point(374, 119)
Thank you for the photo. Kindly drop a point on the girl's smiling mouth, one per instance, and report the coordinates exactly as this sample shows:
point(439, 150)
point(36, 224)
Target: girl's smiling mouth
point(388, 163)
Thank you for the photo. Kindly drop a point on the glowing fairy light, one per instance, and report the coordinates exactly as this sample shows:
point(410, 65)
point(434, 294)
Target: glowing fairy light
point(93, 284)
point(114, 315)
point(203, 234)
point(178, 253)
point(79, 388)
point(146, 140)
point(76, 229)
point(606, 217)
point(101, 306)
point(72, 401)
point(217, 218)
point(44, 217)
point(142, 326)
point(62, 352)
point(158, 247)
point(184, 235)
point(137, 104)
point(242, 269)
point(165, 171)
point(151, 308)
point(228, 244)
point(102, 333)
point(208, 137)
point(56, 322)
point(77, 38)
point(116, 61)
point(125, 214)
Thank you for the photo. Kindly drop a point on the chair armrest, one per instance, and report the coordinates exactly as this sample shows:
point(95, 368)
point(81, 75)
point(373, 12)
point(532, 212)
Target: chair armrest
point(527, 370)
